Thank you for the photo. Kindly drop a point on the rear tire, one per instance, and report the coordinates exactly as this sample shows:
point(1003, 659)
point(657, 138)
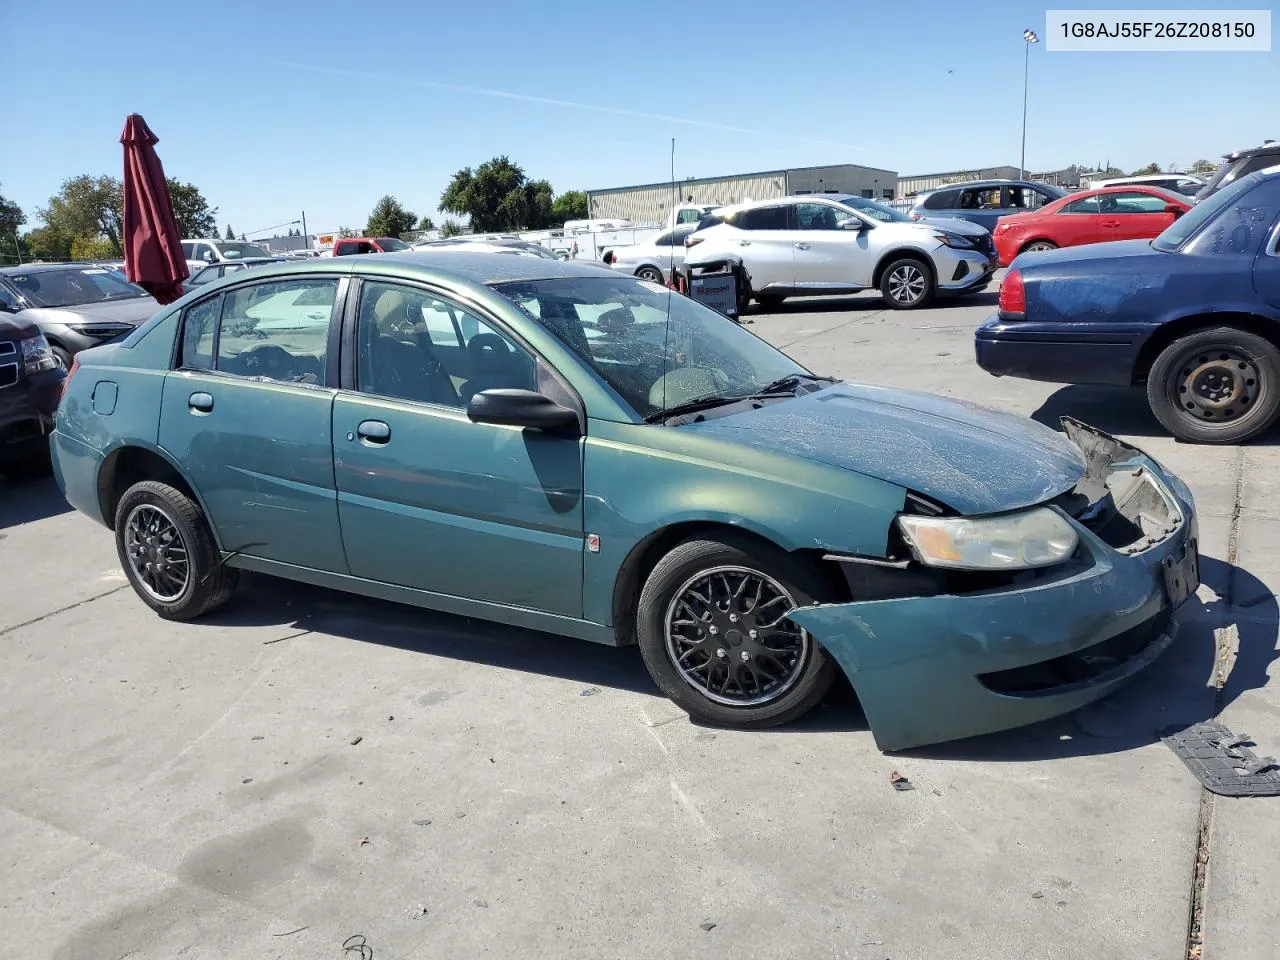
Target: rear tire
point(168, 553)
point(63, 356)
point(1218, 385)
point(907, 284)
point(652, 274)
point(768, 679)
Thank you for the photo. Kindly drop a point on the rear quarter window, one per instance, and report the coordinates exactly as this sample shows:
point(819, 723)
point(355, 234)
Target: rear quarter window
point(942, 200)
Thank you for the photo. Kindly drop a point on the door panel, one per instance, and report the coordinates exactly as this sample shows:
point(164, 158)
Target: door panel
point(266, 478)
point(1077, 223)
point(826, 254)
point(763, 237)
point(429, 499)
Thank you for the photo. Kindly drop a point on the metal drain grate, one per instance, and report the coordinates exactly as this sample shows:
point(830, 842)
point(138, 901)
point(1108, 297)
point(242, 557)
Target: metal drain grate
point(1221, 761)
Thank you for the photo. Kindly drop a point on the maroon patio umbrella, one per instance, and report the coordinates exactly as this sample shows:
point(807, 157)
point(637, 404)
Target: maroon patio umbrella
point(153, 256)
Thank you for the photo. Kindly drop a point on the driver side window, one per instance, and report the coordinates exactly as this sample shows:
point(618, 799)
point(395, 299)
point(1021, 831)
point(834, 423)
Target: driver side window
point(278, 330)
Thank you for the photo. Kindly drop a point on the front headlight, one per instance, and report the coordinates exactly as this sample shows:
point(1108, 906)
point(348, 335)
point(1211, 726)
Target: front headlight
point(1016, 541)
point(954, 240)
point(36, 355)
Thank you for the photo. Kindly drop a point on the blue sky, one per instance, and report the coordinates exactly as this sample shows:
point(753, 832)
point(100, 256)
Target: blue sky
point(323, 106)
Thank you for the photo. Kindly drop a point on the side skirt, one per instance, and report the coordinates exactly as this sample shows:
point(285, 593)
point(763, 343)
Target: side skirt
point(500, 613)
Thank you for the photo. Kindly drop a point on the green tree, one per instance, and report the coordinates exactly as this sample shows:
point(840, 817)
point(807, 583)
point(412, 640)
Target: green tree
point(46, 243)
point(450, 228)
point(1203, 166)
point(493, 196)
point(1150, 168)
point(192, 211)
point(11, 218)
point(426, 223)
point(389, 219)
point(345, 233)
point(87, 207)
point(230, 234)
point(570, 205)
point(91, 248)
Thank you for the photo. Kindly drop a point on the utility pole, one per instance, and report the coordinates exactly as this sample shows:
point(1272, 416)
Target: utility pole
point(1028, 37)
point(306, 243)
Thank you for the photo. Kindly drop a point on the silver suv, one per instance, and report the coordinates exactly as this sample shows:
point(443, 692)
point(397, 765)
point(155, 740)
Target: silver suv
point(812, 246)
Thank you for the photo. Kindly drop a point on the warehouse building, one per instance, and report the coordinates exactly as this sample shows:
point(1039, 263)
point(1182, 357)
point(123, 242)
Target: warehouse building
point(652, 202)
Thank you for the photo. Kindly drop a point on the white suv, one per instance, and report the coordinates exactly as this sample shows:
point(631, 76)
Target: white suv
point(811, 246)
point(201, 253)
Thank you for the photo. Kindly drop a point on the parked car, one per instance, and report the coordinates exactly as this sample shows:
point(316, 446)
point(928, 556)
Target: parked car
point(654, 259)
point(980, 236)
point(1186, 184)
point(984, 201)
point(348, 246)
point(808, 246)
point(1194, 315)
point(513, 245)
point(30, 384)
point(216, 271)
point(201, 252)
point(75, 305)
point(1093, 216)
point(1240, 164)
point(558, 447)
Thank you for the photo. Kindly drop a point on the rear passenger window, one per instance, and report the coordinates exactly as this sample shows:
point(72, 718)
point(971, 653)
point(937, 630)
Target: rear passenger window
point(942, 200)
point(278, 330)
point(980, 198)
point(198, 328)
point(762, 218)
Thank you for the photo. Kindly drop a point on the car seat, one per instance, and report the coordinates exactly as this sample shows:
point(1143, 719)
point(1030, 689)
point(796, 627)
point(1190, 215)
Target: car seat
point(396, 368)
point(493, 366)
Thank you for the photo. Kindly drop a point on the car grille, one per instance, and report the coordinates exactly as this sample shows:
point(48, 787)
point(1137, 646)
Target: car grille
point(8, 370)
point(985, 244)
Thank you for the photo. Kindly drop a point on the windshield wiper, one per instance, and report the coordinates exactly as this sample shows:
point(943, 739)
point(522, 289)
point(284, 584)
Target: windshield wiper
point(789, 383)
point(693, 406)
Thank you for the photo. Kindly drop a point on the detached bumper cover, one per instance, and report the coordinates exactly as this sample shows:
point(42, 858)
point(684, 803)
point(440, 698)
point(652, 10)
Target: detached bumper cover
point(931, 669)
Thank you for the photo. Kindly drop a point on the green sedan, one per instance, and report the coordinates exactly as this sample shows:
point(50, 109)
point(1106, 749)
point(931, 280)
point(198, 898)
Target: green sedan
point(555, 446)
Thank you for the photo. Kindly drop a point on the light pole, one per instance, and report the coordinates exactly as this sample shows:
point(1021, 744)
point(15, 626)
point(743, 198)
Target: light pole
point(1028, 37)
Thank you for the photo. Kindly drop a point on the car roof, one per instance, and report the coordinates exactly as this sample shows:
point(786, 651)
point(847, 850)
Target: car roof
point(25, 268)
point(1270, 146)
point(457, 265)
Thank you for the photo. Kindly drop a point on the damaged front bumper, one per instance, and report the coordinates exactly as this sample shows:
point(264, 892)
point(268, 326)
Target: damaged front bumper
point(933, 668)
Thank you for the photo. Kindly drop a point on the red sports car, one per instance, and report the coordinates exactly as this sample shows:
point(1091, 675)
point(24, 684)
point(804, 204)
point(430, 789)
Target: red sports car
point(1094, 216)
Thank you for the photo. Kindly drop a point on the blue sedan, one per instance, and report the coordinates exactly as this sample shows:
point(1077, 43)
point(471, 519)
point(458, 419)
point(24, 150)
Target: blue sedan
point(1194, 315)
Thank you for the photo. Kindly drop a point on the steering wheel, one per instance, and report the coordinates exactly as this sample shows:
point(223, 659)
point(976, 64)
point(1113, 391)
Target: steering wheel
point(268, 360)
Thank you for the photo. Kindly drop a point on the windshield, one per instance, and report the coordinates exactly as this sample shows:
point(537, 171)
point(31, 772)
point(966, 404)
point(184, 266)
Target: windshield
point(875, 210)
point(388, 244)
point(237, 250)
point(74, 287)
point(1177, 232)
point(618, 325)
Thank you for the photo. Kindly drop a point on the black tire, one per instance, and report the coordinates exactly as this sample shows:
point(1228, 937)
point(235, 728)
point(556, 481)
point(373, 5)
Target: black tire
point(807, 673)
point(906, 273)
point(652, 274)
point(1218, 385)
point(1036, 246)
point(63, 356)
point(208, 582)
point(771, 303)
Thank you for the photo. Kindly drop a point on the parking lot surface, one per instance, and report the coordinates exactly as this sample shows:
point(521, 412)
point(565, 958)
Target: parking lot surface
point(305, 766)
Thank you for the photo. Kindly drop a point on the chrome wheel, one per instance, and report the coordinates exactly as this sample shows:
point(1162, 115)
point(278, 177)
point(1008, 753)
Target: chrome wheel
point(728, 635)
point(1040, 246)
point(1215, 386)
point(907, 283)
point(652, 274)
point(156, 552)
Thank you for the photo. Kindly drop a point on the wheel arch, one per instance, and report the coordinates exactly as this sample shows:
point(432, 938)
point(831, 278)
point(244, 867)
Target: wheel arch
point(644, 556)
point(902, 253)
point(132, 463)
point(1171, 330)
point(1022, 247)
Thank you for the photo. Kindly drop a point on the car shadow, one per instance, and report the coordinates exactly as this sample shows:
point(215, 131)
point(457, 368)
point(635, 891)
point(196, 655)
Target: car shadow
point(23, 501)
point(1121, 411)
point(850, 303)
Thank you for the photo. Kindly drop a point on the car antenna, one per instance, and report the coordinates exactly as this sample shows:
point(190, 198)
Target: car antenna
point(671, 276)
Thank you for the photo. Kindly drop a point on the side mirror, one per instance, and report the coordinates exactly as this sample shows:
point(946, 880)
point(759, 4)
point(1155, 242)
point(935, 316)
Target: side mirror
point(853, 223)
point(523, 408)
point(207, 257)
point(1174, 209)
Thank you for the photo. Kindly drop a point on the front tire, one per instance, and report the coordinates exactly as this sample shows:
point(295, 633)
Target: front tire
point(63, 356)
point(652, 274)
point(1219, 385)
point(713, 631)
point(1039, 246)
point(907, 284)
point(168, 553)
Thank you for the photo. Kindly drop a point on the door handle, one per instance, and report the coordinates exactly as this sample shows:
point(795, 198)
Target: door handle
point(802, 246)
point(200, 403)
point(1111, 223)
point(744, 243)
point(374, 431)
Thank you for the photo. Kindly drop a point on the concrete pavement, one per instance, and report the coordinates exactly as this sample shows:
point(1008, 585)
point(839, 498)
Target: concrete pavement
point(303, 767)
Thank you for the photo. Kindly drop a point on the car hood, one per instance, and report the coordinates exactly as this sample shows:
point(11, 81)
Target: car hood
point(963, 228)
point(971, 458)
point(134, 311)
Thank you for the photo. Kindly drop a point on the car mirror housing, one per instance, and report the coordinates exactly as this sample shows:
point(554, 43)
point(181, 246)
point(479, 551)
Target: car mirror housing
point(854, 223)
point(1174, 209)
point(523, 408)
